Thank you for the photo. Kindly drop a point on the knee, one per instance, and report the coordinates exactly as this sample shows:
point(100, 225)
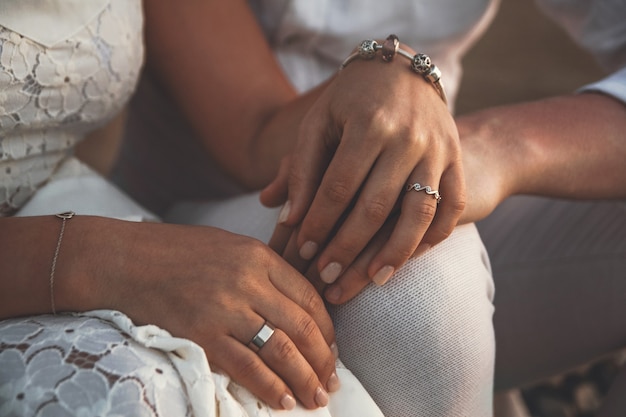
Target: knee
point(429, 328)
point(66, 364)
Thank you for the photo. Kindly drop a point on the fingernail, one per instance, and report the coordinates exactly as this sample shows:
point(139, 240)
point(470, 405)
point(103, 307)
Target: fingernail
point(333, 294)
point(333, 383)
point(421, 249)
point(288, 402)
point(284, 212)
point(383, 275)
point(321, 397)
point(308, 250)
point(330, 273)
point(335, 350)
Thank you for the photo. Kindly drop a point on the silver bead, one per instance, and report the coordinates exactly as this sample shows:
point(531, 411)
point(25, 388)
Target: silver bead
point(368, 49)
point(433, 75)
point(421, 64)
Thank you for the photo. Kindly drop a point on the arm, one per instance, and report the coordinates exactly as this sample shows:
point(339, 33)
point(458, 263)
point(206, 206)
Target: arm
point(568, 147)
point(229, 285)
point(358, 140)
point(212, 59)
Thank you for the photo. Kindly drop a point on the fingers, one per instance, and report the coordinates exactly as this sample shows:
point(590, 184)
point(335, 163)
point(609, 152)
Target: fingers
point(296, 359)
point(448, 212)
point(295, 321)
point(418, 209)
point(275, 193)
point(356, 276)
point(426, 218)
point(374, 205)
point(340, 184)
point(280, 238)
point(277, 373)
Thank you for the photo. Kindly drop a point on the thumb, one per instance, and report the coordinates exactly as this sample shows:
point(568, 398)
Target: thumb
point(275, 193)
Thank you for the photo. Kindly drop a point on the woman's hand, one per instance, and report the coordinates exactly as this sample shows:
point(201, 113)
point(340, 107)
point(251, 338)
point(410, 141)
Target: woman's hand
point(375, 129)
point(217, 289)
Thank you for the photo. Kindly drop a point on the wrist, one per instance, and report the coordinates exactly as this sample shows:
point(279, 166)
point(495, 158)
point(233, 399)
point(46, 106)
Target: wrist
point(496, 137)
point(91, 252)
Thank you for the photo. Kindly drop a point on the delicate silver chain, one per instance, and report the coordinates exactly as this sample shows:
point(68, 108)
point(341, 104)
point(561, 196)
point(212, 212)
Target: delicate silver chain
point(64, 217)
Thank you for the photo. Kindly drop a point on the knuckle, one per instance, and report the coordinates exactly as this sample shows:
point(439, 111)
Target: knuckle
point(457, 205)
point(375, 210)
point(258, 253)
point(248, 368)
point(425, 213)
point(296, 178)
point(307, 329)
point(310, 381)
point(310, 300)
point(343, 249)
point(404, 252)
point(284, 350)
point(338, 192)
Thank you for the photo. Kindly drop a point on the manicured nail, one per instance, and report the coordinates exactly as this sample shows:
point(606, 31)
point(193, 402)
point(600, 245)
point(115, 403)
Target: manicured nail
point(330, 273)
point(421, 249)
point(334, 294)
point(383, 275)
point(333, 383)
point(321, 397)
point(308, 250)
point(335, 350)
point(284, 212)
point(288, 402)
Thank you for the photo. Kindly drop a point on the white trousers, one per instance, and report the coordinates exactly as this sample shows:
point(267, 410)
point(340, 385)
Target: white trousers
point(423, 344)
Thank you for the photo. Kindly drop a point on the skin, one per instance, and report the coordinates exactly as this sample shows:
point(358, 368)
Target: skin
point(558, 147)
point(347, 152)
point(250, 120)
point(347, 146)
point(229, 285)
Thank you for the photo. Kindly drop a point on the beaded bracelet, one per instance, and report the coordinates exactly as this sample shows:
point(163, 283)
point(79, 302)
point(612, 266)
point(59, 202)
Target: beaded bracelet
point(420, 63)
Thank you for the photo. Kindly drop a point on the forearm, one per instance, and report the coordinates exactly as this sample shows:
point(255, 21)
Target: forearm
point(212, 59)
point(27, 247)
point(570, 147)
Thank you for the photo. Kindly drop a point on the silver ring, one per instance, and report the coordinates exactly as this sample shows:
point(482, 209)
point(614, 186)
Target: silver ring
point(418, 187)
point(261, 337)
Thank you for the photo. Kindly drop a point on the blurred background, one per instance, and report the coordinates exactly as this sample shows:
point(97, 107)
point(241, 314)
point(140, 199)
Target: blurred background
point(529, 57)
point(522, 46)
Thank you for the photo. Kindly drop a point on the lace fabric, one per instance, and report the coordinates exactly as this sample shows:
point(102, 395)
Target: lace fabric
point(80, 365)
point(51, 96)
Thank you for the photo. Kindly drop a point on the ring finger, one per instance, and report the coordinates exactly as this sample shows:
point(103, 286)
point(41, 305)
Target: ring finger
point(418, 209)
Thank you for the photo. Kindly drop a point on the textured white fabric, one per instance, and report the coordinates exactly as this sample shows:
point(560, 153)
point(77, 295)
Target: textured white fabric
point(51, 96)
point(190, 385)
point(312, 38)
point(422, 345)
point(34, 18)
point(614, 85)
point(99, 363)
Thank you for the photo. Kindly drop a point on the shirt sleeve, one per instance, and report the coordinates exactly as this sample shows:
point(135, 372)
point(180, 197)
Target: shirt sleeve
point(599, 26)
point(613, 85)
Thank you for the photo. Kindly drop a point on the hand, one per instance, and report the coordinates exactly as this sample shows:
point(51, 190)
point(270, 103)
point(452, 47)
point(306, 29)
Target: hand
point(490, 161)
point(218, 289)
point(376, 128)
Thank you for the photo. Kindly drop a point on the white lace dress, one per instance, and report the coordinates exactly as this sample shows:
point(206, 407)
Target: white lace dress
point(67, 67)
